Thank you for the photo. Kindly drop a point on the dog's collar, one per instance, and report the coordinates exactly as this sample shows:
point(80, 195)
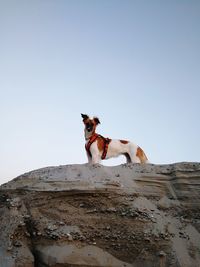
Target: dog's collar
point(92, 139)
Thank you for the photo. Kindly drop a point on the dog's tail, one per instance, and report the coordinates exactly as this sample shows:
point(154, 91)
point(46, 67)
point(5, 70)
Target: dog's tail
point(141, 155)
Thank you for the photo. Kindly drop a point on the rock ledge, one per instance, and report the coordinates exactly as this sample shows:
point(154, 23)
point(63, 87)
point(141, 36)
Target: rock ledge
point(91, 215)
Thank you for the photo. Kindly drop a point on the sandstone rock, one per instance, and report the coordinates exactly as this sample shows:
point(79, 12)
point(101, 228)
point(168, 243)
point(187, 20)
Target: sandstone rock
point(84, 215)
point(71, 255)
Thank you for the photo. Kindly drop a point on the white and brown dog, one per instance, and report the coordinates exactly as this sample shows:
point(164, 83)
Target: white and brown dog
point(99, 147)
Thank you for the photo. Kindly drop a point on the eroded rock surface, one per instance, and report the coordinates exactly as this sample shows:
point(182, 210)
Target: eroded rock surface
point(83, 215)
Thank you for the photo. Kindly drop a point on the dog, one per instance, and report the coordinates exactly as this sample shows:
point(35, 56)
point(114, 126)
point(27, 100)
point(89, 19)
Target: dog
point(99, 148)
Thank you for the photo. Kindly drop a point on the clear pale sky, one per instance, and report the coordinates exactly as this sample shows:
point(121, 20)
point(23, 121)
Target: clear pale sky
point(134, 64)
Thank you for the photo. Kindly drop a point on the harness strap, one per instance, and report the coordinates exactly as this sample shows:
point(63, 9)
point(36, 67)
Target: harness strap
point(92, 139)
point(106, 143)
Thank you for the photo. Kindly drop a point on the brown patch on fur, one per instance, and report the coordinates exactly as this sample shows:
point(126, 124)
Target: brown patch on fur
point(141, 155)
point(95, 121)
point(85, 121)
point(90, 121)
point(123, 142)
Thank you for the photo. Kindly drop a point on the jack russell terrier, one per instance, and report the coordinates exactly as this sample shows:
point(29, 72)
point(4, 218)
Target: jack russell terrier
point(99, 147)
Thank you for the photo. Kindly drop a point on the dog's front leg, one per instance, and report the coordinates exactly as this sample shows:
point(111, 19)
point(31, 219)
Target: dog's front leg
point(89, 158)
point(95, 159)
point(95, 153)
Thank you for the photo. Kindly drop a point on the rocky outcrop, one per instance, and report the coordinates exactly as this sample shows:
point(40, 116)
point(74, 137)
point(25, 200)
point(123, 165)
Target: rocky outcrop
point(91, 215)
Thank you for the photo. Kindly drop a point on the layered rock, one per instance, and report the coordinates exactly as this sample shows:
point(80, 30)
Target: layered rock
point(91, 215)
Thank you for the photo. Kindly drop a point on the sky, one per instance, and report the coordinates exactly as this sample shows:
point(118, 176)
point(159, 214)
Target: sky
point(134, 64)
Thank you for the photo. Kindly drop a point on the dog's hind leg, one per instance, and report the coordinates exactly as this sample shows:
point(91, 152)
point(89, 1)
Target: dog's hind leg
point(135, 159)
point(128, 158)
point(132, 154)
point(141, 155)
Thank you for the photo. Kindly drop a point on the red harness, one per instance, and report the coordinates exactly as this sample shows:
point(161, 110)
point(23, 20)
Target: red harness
point(92, 139)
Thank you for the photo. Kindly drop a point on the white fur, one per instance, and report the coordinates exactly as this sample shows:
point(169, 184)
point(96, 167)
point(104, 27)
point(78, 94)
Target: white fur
point(115, 148)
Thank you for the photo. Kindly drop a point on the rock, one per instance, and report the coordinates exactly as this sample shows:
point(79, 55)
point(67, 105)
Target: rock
point(82, 215)
point(70, 238)
point(17, 243)
point(79, 256)
point(162, 254)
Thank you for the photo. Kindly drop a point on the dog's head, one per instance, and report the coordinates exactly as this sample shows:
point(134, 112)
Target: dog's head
point(90, 123)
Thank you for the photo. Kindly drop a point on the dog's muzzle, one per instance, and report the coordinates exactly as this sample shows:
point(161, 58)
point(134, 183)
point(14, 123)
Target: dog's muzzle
point(89, 127)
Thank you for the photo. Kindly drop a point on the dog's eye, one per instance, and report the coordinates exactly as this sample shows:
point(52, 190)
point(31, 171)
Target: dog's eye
point(89, 124)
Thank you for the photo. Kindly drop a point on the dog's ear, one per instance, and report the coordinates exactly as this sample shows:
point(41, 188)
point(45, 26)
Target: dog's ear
point(84, 116)
point(97, 121)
